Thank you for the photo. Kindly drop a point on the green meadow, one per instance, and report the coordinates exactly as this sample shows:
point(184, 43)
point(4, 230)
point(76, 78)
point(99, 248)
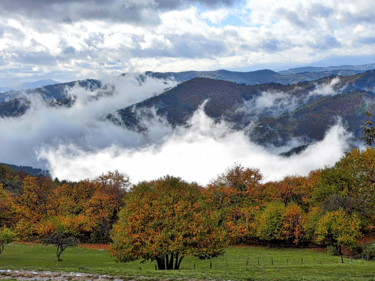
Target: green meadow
point(238, 263)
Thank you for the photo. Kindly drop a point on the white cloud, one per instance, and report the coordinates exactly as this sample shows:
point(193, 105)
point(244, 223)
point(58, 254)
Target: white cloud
point(326, 89)
point(84, 124)
point(266, 100)
point(78, 142)
point(216, 16)
point(180, 36)
point(198, 153)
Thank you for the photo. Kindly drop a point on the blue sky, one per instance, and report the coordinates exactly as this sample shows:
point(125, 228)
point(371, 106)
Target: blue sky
point(69, 40)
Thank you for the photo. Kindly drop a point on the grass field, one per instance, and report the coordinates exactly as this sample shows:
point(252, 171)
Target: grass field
point(239, 263)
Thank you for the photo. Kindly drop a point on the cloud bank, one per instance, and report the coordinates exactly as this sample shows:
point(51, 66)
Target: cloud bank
point(79, 142)
point(69, 40)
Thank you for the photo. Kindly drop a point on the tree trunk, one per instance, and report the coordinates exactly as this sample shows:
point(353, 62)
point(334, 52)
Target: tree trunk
point(161, 262)
point(59, 251)
point(176, 262)
point(169, 261)
point(339, 250)
point(179, 262)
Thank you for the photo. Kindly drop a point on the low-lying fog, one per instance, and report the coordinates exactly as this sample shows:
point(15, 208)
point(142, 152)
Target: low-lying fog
point(79, 142)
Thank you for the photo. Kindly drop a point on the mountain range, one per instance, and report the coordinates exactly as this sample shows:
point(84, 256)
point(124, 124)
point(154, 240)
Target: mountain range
point(271, 113)
point(272, 108)
point(29, 85)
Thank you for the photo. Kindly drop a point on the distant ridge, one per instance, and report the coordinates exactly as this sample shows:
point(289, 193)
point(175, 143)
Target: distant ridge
point(30, 85)
point(27, 169)
point(264, 76)
point(342, 68)
point(37, 84)
point(248, 78)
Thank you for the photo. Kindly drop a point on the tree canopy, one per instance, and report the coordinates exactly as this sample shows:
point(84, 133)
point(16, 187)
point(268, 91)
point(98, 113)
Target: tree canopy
point(166, 220)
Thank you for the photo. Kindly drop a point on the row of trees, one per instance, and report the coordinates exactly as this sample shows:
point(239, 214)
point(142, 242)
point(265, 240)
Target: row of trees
point(85, 209)
point(334, 206)
point(167, 219)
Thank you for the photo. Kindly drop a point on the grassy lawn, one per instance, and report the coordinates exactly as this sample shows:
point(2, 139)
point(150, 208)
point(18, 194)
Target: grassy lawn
point(239, 263)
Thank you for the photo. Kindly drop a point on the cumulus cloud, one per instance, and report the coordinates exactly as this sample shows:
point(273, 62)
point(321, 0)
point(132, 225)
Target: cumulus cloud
point(216, 16)
point(133, 11)
point(79, 142)
point(87, 38)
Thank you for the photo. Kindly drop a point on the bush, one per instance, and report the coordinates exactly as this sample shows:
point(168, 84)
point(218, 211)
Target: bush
point(6, 237)
point(367, 252)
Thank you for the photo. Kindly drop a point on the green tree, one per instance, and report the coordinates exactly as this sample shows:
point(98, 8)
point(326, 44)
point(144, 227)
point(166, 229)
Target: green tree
point(164, 221)
point(270, 222)
point(349, 185)
point(338, 229)
point(7, 236)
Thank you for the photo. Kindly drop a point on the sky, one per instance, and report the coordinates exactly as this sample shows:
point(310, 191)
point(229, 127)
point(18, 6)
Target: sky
point(67, 40)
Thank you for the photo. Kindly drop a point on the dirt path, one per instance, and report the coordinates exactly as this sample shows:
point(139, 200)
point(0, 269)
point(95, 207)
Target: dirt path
point(61, 276)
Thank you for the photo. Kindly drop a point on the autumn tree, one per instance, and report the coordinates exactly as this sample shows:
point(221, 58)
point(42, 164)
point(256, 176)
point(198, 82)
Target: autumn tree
point(164, 221)
point(293, 189)
point(6, 207)
point(87, 208)
point(33, 205)
point(239, 178)
point(106, 203)
point(235, 195)
point(292, 224)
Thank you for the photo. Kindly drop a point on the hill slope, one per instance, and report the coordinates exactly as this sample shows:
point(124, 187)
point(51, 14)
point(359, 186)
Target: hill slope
point(270, 113)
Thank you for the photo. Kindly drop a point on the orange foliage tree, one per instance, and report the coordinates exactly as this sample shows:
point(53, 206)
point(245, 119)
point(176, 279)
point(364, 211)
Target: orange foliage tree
point(6, 207)
point(166, 220)
point(236, 196)
point(32, 206)
point(88, 209)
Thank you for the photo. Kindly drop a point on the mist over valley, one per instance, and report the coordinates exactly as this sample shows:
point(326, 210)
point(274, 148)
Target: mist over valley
point(153, 124)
